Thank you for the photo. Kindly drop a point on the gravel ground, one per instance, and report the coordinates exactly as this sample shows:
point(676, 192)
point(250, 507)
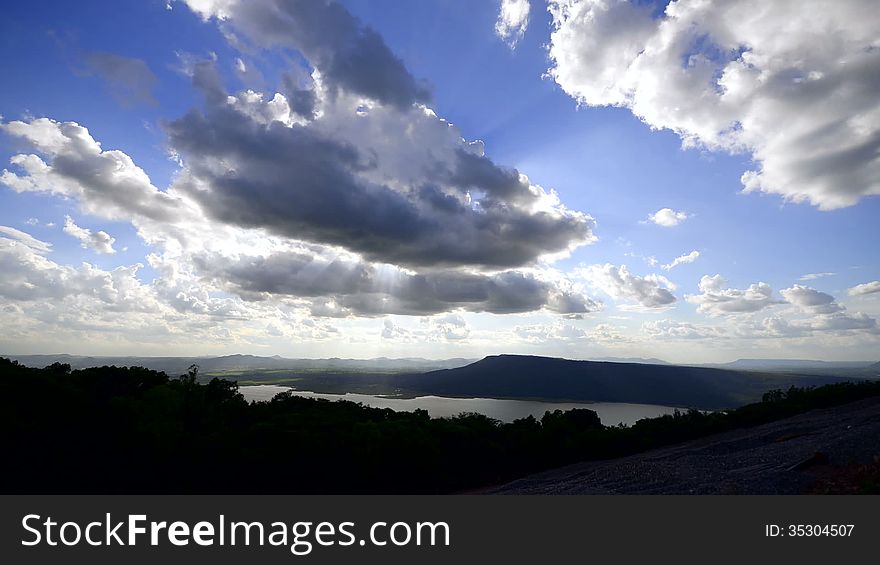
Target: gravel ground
point(785, 457)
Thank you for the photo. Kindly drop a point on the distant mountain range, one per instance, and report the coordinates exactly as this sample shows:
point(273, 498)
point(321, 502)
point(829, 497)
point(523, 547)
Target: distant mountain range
point(244, 363)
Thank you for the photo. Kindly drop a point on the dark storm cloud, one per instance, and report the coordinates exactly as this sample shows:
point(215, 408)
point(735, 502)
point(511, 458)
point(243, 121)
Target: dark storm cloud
point(349, 54)
point(130, 80)
point(298, 183)
point(479, 172)
point(301, 100)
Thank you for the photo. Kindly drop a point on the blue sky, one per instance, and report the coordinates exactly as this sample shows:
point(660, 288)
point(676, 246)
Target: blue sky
point(574, 104)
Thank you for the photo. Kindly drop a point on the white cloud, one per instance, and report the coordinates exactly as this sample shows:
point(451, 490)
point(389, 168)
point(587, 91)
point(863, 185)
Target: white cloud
point(106, 183)
point(792, 83)
point(29, 275)
point(651, 291)
point(804, 311)
point(672, 329)
point(565, 332)
point(667, 217)
point(814, 276)
point(25, 239)
point(715, 300)
point(84, 306)
point(811, 299)
point(836, 323)
point(100, 241)
point(444, 328)
point(681, 260)
point(513, 20)
point(865, 288)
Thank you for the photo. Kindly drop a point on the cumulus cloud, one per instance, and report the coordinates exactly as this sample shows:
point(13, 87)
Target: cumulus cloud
point(667, 217)
point(811, 299)
point(130, 80)
point(351, 56)
point(673, 329)
point(681, 260)
point(48, 303)
point(802, 312)
point(793, 84)
point(243, 260)
point(29, 275)
point(825, 313)
point(715, 300)
point(836, 323)
point(100, 241)
point(865, 288)
point(651, 291)
point(566, 332)
point(449, 327)
point(395, 185)
point(513, 20)
point(72, 164)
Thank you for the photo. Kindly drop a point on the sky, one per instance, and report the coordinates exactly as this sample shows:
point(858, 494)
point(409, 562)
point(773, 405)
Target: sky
point(693, 181)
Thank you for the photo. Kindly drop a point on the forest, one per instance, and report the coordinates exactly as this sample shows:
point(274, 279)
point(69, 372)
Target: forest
point(135, 430)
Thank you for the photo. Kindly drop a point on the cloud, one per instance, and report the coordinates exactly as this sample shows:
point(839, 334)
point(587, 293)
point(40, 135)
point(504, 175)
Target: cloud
point(715, 300)
point(681, 260)
point(49, 303)
point(843, 322)
point(341, 285)
point(794, 86)
point(351, 56)
point(811, 299)
point(651, 291)
point(804, 312)
point(360, 202)
point(566, 332)
point(826, 314)
point(814, 276)
point(26, 239)
point(131, 81)
point(239, 257)
point(673, 329)
point(513, 20)
point(667, 217)
point(28, 275)
point(395, 185)
point(100, 241)
point(449, 328)
point(865, 288)
point(73, 164)
point(836, 323)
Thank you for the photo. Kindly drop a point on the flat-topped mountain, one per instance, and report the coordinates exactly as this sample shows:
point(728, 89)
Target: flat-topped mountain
point(519, 376)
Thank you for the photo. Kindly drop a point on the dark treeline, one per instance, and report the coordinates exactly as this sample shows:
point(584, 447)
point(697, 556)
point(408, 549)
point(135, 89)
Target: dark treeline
point(133, 430)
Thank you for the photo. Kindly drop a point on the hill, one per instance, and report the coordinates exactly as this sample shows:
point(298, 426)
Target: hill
point(519, 376)
point(831, 450)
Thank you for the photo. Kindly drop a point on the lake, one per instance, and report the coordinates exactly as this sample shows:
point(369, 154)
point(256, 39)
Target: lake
point(611, 413)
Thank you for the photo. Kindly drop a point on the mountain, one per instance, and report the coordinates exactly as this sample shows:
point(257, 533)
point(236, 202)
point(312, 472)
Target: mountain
point(517, 376)
point(245, 363)
point(642, 360)
point(791, 364)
